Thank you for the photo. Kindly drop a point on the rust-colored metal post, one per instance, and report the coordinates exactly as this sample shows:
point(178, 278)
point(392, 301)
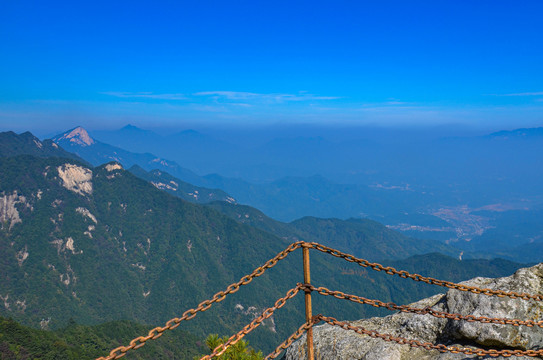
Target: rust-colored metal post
point(308, 306)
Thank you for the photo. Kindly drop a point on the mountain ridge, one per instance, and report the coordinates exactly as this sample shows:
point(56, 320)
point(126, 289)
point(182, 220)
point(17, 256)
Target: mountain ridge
point(79, 141)
point(411, 209)
point(99, 244)
point(12, 144)
point(176, 187)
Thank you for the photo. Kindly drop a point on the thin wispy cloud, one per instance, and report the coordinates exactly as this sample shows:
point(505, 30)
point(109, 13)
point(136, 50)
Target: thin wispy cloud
point(238, 98)
point(231, 95)
point(396, 102)
point(390, 103)
point(272, 97)
point(145, 95)
point(537, 93)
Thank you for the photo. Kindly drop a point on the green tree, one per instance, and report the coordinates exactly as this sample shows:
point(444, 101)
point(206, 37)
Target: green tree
point(239, 351)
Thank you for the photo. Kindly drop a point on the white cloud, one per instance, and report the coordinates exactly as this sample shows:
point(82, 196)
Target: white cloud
point(145, 95)
point(231, 95)
point(273, 97)
point(537, 93)
point(245, 98)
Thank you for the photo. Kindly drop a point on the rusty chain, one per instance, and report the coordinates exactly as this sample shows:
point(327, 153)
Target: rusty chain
point(421, 311)
point(295, 336)
point(406, 275)
point(426, 345)
point(157, 332)
point(173, 323)
point(219, 350)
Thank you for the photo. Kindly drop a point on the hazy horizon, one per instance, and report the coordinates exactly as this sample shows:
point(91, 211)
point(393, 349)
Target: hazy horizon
point(271, 131)
point(191, 65)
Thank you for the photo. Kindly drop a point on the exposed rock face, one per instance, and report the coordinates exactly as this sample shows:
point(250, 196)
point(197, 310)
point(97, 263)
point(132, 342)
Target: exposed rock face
point(8, 211)
point(64, 246)
point(87, 213)
point(336, 343)
point(112, 167)
point(171, 186)
point(77, 136)
point(76, 178)
point(22, 255)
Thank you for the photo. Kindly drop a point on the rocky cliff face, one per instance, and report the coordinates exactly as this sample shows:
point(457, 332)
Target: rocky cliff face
point(336, 343)
point(9, 215)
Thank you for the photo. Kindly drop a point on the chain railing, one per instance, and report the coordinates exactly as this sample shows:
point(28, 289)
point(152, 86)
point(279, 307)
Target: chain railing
point(422, 311)
point(427, 345)
point(313, 320)
point(416, 277)
point(157, 332)
point(219, 350)
point(295, 336)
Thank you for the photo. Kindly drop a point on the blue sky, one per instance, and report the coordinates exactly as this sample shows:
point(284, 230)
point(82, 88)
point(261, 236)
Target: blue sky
point(183, 63)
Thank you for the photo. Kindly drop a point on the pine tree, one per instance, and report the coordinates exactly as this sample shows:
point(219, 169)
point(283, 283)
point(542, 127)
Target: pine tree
point(239, 351)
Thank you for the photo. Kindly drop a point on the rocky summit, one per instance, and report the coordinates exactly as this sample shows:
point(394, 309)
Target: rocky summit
point(332, 342)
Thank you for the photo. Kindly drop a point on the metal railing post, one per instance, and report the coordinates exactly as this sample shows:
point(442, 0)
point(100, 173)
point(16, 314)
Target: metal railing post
point(308, 306)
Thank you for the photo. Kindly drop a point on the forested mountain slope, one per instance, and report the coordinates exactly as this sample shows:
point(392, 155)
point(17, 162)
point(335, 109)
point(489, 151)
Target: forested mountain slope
point(12, 144)
point(361, 237)
point(172, 185)
point(99, 244)
point(82, 342)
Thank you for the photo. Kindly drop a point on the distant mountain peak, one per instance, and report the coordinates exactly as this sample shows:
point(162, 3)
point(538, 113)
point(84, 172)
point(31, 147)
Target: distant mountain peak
point(190, 132)
point(131, 127)
point(78, 136)
point(519, 133)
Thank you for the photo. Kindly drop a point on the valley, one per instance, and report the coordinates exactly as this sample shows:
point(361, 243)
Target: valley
point(105, 235)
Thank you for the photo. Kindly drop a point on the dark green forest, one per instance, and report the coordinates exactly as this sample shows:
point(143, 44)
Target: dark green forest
point(121, 251)
point(75, 341)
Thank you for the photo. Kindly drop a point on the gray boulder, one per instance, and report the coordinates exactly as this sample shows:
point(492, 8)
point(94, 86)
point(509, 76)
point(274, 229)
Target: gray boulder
point(332, 342)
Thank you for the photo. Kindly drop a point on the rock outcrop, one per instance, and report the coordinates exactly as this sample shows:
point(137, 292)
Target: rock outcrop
point(8, 211)
point(77, 136)
point(76, 178)
point(336, 343)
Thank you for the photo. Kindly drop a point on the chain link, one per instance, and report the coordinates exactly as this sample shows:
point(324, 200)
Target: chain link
point(429, 346)
point(421, 311)
point(155, 333)
point(219, 350)
point(406, 275)
point(295, 336)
